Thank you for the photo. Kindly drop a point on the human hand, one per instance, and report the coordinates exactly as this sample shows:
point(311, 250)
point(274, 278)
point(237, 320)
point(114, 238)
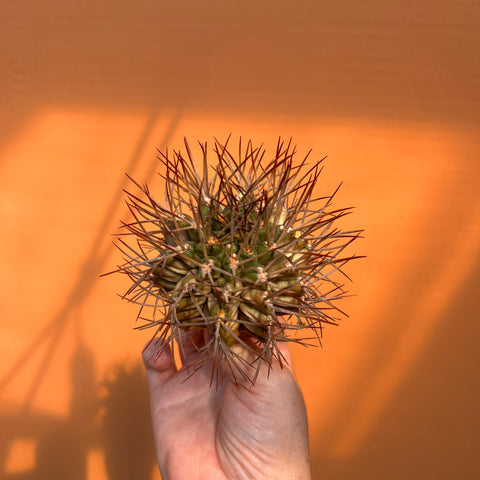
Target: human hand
point(234, 432)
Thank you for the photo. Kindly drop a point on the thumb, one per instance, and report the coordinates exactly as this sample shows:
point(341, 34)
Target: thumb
point(158, 360)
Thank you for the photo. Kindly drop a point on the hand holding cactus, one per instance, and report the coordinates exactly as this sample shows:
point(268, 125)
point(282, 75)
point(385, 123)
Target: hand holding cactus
point(237, 431)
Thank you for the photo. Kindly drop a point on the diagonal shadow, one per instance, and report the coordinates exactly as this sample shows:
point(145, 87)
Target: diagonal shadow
point(92, 267)
point(62, 444)
point(439, 397)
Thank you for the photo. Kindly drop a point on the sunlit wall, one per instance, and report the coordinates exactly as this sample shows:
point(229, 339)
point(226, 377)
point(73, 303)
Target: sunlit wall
point(389, 91)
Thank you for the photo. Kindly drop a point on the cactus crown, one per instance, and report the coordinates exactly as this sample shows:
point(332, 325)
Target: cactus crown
point(243, 251)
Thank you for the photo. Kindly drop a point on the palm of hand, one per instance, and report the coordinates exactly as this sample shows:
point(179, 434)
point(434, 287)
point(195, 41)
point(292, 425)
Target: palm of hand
point(233, 432)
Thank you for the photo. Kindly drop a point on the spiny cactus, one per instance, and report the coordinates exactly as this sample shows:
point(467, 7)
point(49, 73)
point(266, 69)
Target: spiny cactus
point(243, 251)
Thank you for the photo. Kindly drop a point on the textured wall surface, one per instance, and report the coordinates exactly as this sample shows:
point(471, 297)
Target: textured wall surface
point(390, 91)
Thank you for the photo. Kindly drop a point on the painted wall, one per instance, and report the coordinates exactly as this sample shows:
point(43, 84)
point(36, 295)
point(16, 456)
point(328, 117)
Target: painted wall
point(388, 90)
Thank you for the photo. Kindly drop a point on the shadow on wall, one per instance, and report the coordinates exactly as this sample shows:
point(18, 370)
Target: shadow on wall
point(61, 446)
point(381, 60)
point(117, 422)
point(427, 426)
point(436, 271)
point(127, 430)
point(347, 59)
point(410, 406)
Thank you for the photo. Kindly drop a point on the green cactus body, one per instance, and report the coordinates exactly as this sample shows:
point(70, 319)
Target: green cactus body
point(245, 253)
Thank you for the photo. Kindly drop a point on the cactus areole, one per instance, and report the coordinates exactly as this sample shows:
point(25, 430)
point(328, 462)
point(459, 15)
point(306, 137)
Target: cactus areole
point(247, 251)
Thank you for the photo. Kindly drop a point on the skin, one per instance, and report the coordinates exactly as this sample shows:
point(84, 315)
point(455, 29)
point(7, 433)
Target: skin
point(233, 432)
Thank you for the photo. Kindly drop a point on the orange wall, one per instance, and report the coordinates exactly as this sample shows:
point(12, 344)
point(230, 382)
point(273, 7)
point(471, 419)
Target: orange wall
point(389, 91)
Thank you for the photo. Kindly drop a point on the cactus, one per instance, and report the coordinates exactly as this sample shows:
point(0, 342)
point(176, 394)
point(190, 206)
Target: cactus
point(242, 251)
